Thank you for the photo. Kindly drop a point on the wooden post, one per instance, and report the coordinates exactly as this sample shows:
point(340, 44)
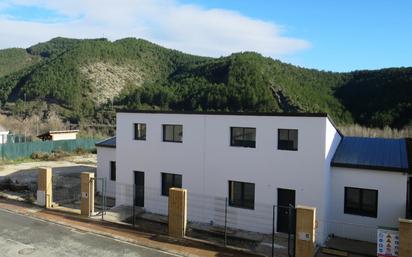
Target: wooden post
point(405, 238)
point(44, 187)
point(177, 212)
point(305, 231)
point(87, 193)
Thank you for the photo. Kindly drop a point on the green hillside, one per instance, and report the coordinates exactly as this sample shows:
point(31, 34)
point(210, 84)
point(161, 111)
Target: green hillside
point(15, 59)
point(84, 77)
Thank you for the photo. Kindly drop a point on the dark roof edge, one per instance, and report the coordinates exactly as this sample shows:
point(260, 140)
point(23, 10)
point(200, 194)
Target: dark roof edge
point(108, 146)
point(103, 143)
point(291, 114)
point(369, 167)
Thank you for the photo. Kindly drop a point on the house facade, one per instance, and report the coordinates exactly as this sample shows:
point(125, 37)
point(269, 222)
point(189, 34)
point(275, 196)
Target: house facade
point(3, 135)
point(254, 161)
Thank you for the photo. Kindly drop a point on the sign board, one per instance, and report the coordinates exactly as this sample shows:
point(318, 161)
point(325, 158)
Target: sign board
point(388, 242)
point(41, 198)
point(304, 236)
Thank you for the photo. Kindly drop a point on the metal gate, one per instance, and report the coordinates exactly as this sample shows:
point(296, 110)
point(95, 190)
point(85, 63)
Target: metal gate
point(291, 210)
point(100, 196)
point(66, 189)
point(292, 231)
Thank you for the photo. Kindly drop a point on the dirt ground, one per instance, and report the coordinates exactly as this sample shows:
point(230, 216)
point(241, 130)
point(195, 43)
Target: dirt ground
point(70, 161)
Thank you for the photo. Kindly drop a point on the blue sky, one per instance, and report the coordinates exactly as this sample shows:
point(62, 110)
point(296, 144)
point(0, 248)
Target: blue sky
point(329, 35)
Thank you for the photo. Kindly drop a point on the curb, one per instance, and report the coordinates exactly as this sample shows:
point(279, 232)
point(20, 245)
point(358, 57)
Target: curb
point(188, 241)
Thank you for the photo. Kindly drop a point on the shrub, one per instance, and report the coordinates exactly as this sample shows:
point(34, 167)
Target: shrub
point(40, 156)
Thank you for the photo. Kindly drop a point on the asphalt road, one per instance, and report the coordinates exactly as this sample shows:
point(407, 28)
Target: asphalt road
point(25, 236)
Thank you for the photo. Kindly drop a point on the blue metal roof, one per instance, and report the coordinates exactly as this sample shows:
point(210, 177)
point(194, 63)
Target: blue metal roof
point(110, 142)
point(372, 153)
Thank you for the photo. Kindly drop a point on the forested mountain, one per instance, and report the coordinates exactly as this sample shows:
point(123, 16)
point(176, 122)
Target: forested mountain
point(83, 79)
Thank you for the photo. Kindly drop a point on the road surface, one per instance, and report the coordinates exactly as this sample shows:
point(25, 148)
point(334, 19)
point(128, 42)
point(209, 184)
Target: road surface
point(25, 236)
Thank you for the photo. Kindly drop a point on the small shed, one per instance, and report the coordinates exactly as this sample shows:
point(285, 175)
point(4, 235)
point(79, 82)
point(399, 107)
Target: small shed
point(3, 135)
point(59, 135)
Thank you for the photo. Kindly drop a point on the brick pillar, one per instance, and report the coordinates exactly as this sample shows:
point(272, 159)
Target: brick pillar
point(44, 187)
point(405, 238)
point(177, 212)
point(305, 231)
point(87, 193)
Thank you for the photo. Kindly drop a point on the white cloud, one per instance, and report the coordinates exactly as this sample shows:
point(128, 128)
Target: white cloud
point(188, 28)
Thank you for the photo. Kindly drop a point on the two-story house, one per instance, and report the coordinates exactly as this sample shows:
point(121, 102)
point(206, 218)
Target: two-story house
point(255, 160)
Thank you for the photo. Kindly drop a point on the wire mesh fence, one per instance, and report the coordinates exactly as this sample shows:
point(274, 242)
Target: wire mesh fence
point(11, 151)
point(19, 187)
point(66, 190)
point(362, 232)
point(209, 217)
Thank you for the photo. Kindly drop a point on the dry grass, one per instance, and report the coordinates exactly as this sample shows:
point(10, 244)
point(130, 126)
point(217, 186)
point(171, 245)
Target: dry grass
point(387, 132)
point(33, 125)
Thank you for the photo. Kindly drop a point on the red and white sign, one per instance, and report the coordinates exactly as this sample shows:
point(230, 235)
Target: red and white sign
point(388, 242)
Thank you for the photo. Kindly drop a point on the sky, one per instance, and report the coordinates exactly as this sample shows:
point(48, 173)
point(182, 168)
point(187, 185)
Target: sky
point(334, 35)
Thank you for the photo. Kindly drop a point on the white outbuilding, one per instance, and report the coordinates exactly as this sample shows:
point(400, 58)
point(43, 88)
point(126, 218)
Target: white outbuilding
point(3, 135)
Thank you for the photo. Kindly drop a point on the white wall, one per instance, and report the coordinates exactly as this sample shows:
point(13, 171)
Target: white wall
point(3, 137)
point(64, 136)
point(332, 140)
point(391, 188)
point(207, 162)
point(104, 156)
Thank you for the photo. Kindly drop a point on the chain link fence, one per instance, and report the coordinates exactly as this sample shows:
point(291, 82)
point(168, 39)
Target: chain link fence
point(66, 189)
point(341, 229)
point(11, 151)
point(266, 228)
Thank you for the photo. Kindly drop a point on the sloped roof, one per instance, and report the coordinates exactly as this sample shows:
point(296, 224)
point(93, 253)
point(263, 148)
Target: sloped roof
point(53, 132)
point(372, 153)
point(110, 142)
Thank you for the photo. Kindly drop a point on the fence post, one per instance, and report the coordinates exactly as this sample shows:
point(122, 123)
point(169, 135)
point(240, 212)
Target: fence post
point(305, 231)
point(133, 205)
point(226, 221)
point(273, 230)
point(405, 238)
point(104, 197)
point(44, 187)
point(87, 193)
point(177, 212)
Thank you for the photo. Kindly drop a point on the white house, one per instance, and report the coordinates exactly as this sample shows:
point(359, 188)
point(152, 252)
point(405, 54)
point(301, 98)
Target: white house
point(106, 162)
point(3, 135)
point(256, 160)
point(56, 135)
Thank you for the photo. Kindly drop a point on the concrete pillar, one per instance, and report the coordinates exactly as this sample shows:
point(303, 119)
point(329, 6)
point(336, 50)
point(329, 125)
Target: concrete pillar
point(87, 193)
point(177, 212)
point(405, 238)
point(44, 187)
point(305, 231)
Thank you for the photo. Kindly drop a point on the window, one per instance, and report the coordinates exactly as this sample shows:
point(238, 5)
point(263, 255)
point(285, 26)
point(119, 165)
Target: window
point(363, 202)
point(173, 133)
point(242, 194)
point(139, 131)
point(245, 137)
point(170, 180)
point(288, 139)
point(113, 170)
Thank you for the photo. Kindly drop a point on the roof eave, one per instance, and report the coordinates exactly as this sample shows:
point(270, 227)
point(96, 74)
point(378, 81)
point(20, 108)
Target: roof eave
point(369, 167)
